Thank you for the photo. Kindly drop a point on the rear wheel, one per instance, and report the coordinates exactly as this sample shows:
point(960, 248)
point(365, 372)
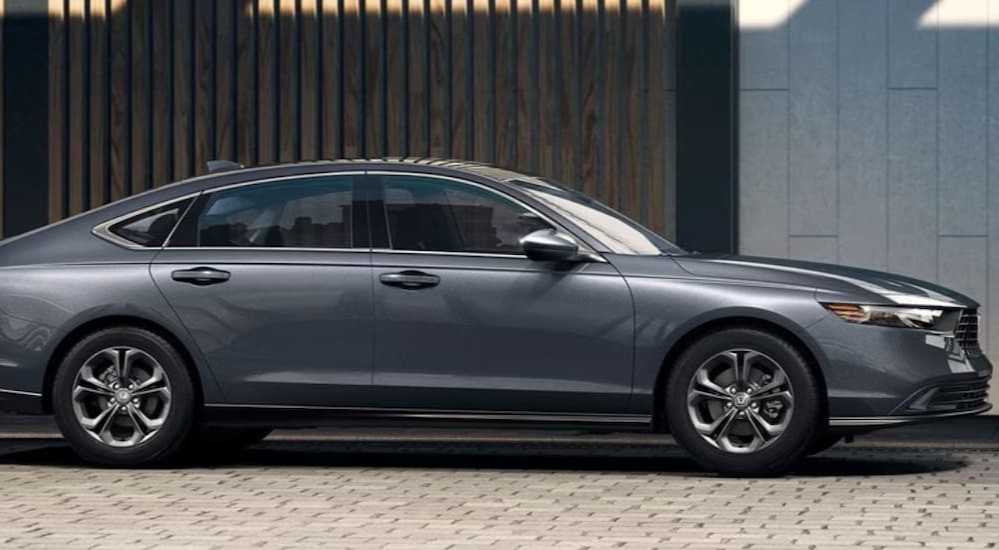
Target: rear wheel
point(743, 402)
point(124, 397)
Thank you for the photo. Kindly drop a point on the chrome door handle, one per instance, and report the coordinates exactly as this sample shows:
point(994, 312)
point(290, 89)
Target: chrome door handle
point(409, 279)
point(200, 276)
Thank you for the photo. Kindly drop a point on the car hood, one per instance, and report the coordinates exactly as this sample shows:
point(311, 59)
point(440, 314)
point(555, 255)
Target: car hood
point(833, 282)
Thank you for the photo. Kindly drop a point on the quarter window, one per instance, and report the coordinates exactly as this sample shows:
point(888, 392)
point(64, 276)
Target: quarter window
point(429, 214)
point(152, 227)
point(283, 214)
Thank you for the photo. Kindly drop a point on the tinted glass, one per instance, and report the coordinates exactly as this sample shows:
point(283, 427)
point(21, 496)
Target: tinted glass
point(314, 213)
point(436, 215)
point(616, 231)
point(153, 227)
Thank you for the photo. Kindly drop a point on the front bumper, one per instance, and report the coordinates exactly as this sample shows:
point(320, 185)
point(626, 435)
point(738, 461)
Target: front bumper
point(883, 376)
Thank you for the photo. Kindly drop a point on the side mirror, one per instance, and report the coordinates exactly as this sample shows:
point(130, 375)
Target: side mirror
point(548, 245)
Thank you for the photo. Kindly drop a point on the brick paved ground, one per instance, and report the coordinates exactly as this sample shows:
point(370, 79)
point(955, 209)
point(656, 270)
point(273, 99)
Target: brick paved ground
point(408, 491)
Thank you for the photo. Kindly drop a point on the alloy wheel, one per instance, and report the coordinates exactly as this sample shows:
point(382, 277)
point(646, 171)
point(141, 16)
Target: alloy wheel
point(121, 396)
point(740, 401)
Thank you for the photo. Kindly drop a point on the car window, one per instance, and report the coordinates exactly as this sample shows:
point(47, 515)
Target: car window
point(312, 213)
point(620, 234)
point(430, 214)
point(152, 227)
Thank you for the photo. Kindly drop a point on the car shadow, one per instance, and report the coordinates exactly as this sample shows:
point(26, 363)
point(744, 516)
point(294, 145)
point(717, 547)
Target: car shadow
point(651, 459)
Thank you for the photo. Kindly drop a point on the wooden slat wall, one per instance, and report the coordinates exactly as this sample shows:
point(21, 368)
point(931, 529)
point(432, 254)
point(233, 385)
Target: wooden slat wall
point(145, 91)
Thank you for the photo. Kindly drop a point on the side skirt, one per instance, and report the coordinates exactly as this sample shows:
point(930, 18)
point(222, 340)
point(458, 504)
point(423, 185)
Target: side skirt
point(220, 414)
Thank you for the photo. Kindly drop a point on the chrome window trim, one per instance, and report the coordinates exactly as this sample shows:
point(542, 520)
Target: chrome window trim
point(103, 230)
point(270, 248)
point(585, 249)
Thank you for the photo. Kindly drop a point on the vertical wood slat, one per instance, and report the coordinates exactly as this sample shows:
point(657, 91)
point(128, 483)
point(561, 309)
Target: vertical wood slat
point(248, 87)
point(119, 84)
point(98, 113)
point(331, 48)
point(287, 79)
point(396, 99)
point(438, 87)
point(267, 82)
point(309, 82)
point(146, 91)
point(352, 74)
point(78, 109)
point(160, 44)
point(140, 113)
point(56, 95)
point(226, 77)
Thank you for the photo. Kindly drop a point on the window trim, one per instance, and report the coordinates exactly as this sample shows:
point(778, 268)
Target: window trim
point(208, 192)
point(584, 248)
point(103, 230)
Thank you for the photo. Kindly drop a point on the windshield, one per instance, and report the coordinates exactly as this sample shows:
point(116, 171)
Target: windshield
point(617, 232)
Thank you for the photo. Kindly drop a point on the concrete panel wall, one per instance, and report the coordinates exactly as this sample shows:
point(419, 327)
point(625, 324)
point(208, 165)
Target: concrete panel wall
point(890, 157)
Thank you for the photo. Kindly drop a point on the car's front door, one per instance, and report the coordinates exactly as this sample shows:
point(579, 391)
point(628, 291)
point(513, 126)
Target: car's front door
point(464, 321)
point(273, 281)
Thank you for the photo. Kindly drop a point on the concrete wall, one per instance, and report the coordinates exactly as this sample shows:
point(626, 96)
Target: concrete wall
point(869, 136)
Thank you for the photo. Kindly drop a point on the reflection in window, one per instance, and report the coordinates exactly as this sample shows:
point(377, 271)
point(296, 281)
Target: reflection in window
point(435, 215)
point(303, 214)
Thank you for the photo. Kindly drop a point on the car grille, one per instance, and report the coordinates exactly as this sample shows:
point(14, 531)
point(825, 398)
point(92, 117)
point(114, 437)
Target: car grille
point(953, 397)
point(966, 334)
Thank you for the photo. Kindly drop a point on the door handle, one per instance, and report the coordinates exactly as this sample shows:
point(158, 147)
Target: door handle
point(409, 279)
point(201, 276)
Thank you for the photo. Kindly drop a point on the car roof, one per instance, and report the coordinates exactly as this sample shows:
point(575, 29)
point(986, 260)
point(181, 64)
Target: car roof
point(422, 164)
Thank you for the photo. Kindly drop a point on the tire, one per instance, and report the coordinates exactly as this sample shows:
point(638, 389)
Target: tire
point(823, 442)
point(213, 443)
point(743, 445)
point(150, 428)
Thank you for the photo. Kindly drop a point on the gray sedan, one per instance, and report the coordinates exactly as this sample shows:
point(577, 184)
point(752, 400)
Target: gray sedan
point(197, 316)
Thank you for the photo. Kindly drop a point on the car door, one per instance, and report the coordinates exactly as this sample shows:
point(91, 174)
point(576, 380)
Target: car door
point(273, 281)
point(465, 321)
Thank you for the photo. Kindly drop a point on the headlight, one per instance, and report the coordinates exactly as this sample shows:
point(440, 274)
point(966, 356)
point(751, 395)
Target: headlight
point(896, 316)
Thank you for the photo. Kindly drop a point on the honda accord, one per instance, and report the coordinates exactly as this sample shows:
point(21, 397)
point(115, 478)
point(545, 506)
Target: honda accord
point(199, 315)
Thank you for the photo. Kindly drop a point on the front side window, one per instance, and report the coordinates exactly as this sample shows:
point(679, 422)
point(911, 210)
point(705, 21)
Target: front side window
point(429, 214)
point(152, 227)
point(309, 213)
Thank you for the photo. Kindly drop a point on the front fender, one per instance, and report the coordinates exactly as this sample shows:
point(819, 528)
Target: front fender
point(669, 311)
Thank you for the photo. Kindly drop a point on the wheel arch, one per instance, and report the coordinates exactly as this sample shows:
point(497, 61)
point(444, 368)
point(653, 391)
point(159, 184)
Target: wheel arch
point(93, 325)
point(804, 344)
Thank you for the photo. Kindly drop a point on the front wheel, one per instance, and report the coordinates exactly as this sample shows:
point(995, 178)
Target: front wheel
point(124, 397)
point(743, 402)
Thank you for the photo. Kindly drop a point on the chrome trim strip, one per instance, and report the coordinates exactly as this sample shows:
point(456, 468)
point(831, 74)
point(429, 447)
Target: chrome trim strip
point(103, 230)
point(432, 414)
point(861, 421)
point(18, 392)
point(270, 248)
point(435, 253)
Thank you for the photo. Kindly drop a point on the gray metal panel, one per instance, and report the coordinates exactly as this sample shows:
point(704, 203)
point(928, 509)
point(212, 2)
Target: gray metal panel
point(863, 136)
point(964, 69)
point(912, 50)
point(763, 173)
point(812, 126)
point(912, 183)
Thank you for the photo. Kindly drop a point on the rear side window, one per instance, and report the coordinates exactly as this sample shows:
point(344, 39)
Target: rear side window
point(310, 213)
point(152, 227)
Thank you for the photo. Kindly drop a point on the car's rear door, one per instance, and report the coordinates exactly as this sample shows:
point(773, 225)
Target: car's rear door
point(465, 321)
point(273, 281)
